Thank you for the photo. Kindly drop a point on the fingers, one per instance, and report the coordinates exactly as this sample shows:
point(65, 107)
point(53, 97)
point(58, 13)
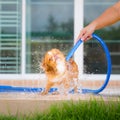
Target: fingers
point(81, 35)
point(85, 34)
point(86, 37)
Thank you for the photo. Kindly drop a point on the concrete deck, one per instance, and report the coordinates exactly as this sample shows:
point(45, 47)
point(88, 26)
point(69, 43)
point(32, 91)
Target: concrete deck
point(27, 103)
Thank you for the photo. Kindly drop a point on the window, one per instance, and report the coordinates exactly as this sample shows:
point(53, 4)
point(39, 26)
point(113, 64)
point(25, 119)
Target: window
point(29, 28)
point(10, 36)
point(49, 24)
point(94, 56)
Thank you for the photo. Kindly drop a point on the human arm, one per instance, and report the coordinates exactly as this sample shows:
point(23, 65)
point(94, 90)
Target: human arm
point(108, 17)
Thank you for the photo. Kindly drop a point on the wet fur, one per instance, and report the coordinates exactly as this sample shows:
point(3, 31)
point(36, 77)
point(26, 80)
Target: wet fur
point(58, 71)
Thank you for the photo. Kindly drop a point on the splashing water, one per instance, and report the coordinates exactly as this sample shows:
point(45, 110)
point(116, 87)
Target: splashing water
point(37, 58)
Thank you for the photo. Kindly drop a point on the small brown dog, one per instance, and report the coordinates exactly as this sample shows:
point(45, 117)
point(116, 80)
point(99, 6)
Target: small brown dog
point(58, 71)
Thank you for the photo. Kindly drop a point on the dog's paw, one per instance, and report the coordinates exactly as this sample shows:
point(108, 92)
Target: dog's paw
point(43, 93)
point(55, 93)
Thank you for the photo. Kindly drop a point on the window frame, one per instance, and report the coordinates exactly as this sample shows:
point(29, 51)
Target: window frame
point(78, 25)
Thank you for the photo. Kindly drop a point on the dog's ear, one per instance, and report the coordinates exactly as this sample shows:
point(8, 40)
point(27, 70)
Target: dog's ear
point(44, 65)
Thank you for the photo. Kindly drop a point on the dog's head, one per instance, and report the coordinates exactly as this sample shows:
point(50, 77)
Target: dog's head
point(54, 62)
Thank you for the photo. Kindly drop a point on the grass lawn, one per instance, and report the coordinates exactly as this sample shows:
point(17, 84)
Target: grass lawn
point(75, 110)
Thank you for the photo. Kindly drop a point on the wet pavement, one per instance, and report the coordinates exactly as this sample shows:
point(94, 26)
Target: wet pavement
point(28, 102)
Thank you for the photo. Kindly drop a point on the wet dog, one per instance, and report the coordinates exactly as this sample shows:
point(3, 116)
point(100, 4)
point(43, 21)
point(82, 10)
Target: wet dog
point(59, 71)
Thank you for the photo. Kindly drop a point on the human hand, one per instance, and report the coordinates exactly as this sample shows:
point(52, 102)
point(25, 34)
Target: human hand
point(86, 33)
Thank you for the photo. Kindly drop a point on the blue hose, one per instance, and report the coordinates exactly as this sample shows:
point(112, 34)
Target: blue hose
point(102, 43)
point(70, 54)
point(5, 88)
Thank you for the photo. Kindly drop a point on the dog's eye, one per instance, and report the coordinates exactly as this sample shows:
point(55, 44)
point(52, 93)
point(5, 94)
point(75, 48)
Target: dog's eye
point(50, 59)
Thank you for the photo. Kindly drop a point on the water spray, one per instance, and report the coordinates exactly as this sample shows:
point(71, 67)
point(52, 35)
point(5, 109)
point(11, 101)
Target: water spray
point(70, 54)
